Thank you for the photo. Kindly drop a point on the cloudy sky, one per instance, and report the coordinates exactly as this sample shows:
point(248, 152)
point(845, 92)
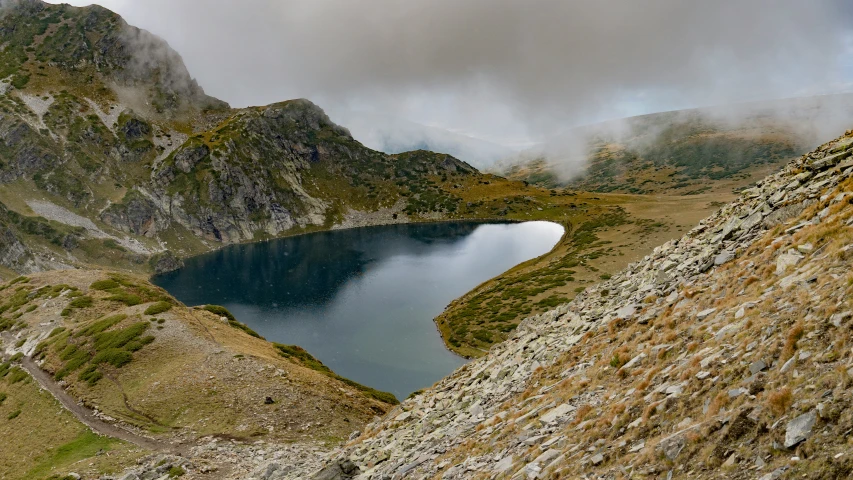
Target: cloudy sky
point(509, 71)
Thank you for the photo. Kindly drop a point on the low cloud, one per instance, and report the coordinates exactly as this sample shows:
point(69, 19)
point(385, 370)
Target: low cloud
point(503, 68)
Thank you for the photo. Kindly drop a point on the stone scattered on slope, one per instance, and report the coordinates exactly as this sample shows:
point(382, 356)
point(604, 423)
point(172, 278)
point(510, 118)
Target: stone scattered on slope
point(800, 429)
point(519, 386)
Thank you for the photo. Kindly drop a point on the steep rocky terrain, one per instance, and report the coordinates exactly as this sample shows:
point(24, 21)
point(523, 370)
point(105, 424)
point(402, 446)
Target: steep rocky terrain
point(722, 354)
point(107, 142)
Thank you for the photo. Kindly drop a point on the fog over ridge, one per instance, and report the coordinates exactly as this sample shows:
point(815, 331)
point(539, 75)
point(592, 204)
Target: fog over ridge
point(496, 67)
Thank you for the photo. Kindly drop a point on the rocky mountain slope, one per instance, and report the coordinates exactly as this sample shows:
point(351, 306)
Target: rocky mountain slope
point(106, 141)
point(723, 353)
point(684, 151)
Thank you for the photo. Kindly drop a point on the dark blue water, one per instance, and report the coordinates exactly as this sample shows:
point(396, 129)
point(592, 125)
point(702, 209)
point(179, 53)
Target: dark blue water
point(361, 300)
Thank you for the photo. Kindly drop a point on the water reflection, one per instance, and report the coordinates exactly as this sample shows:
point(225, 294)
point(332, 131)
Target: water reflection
point(361, 300)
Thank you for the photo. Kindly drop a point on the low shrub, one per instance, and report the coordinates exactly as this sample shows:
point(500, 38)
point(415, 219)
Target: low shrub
point(15, 375)
point(101, 325)
point(81, 302)
point(158, 308)
point(74, 357)
point(104, 285)
point(56, 331)
point(114, 356)
point(221, 311)
point(176, 471)
point(91, 375)
point(128, 299)
point(119, 338)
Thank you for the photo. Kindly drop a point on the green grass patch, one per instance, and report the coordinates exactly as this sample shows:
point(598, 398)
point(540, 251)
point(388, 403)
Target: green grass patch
point(114, 356)
point(128, 299)
point(158, 308)
point(176, 471)
point(100, 343)
point(16, 375)
point(119, 338)
point(81, 302)
point(104, 285)
point(91, 375)
point(86, 445)
point(101, 325)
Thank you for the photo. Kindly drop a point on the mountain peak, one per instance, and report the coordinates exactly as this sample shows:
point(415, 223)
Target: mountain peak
point(93, 46)
point(305, 112)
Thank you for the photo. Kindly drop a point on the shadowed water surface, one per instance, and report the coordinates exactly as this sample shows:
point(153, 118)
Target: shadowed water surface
point(361, 300)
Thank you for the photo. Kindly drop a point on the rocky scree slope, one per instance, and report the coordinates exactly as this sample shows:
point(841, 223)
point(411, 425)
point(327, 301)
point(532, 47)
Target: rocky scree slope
point(724, 353)
point(101, 122)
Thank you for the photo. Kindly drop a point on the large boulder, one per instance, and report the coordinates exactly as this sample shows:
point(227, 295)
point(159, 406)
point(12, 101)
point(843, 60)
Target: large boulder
point(343, 469)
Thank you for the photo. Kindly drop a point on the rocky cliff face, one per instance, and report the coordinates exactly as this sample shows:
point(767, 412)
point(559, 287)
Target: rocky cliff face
point(103, 119)
point(724, 351)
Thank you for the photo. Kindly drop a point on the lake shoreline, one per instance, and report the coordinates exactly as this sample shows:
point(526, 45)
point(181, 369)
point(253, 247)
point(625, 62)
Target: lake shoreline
point(359, 299)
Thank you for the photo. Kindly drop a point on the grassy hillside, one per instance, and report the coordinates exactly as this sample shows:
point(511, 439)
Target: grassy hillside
point(41, 439)
point(124, 347)
point(723, 354)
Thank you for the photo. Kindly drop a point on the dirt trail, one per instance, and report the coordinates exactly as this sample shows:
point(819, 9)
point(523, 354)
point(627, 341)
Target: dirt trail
point(87, 416)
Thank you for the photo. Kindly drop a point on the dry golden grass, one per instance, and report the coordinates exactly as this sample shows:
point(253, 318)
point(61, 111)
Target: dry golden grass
point(718, 402)
point(794, 335)
point(780, 401)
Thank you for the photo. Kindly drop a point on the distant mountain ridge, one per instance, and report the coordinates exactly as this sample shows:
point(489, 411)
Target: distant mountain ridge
point(395, 135)
point(680, 151)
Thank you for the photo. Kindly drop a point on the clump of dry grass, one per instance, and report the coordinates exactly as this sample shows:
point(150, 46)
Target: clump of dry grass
point(582, 412)
point(780, 400)
point(794, 335)
point(717, 404)
point(649, 411)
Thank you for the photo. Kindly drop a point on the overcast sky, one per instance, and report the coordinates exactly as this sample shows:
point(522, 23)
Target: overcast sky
point(509, 71)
